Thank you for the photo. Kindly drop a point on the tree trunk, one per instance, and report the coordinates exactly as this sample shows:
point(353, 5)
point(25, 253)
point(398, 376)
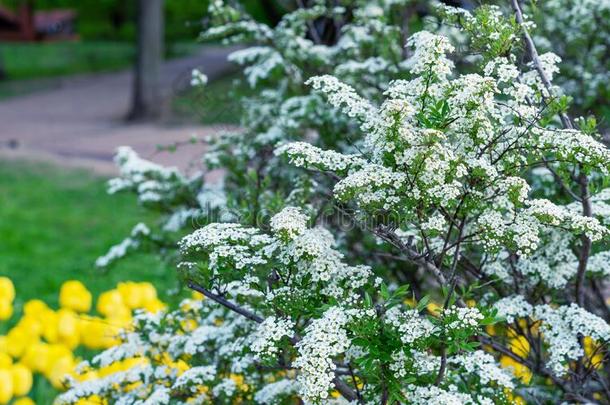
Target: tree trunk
point(147, 98)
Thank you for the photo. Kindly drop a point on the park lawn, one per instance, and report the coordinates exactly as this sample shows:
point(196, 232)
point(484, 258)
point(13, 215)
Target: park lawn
point(38, 60)
point(45, 59)
point(55, 222)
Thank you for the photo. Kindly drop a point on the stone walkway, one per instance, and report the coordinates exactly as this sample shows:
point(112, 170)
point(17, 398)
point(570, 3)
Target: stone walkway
point(81, 121)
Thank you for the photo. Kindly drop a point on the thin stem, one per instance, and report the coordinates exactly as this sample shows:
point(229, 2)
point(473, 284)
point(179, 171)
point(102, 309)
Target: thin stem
point(226, 303)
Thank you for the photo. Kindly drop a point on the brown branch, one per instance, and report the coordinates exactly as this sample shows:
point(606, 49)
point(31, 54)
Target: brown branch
point(568, 392)
point(224, 302)
point(533, 53)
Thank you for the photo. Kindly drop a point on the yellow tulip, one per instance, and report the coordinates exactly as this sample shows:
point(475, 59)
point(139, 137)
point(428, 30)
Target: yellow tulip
point(433, 308)
point(3, 344)
point(519, 345)
point(122, 366)
point(5, 360)
point(239, 381)
point(6, 309)
point(154, 306)
point(68, 328)
point(37, 357)
point(514, 399)
point(58, 354)
point(137, 295)
point(7, 289)
point(110, 303)
point(31, 325)
point(593, 352)
point(131, 295)
point(35, 308)
point(410, 302)
point(75, 296)
point(50, 327)
point(6, 386)
point(98, 333)
point(189, 325)
point(148, 292)
point(88, 376)
point(60, 370)
point(519, 370)
point(17, 340)
point(92, 400)
point(24, 401)
point(197, 296)
point(22, 380)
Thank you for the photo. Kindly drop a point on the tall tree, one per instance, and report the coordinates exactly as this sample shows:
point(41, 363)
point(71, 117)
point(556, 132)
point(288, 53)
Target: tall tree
point(147, 99)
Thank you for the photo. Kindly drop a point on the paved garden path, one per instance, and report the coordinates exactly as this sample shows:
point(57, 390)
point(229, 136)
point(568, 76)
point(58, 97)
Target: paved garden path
point(81, 121)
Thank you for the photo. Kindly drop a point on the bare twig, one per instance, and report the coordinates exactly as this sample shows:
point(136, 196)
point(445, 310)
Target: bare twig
point(533, 53)
point(224, 302)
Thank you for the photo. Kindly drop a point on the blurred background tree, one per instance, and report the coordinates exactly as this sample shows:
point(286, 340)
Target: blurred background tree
point(146, 98)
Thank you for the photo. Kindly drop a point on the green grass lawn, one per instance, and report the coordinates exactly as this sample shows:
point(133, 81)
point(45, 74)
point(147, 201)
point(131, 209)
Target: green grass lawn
point(55, 222)
point(45, 59)
point(31, 66)
point(36, 60)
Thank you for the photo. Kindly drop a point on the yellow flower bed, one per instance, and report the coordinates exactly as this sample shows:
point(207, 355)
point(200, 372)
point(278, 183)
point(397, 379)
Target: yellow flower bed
point(43, 341)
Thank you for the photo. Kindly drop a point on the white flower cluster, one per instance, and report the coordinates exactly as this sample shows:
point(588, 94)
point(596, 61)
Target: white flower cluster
point(105, 385)
point(241, 246)
point(151, 181)
point(194, 378)
point(324, 340)
point(289, 223)
point(373, 185)
point(261, 62)
point(198, 78)
point(462, 318)
point(438, 146)
point(432, 395)
point(563, 26)
point(303, 154)
point(555, 215)
point(561, 328)
point(575, 146)
point(513, 307)
point(485, 367)
point(411, 326)
point(275, 392)
point(429, 55)
point(269, 333)
point(342, 96)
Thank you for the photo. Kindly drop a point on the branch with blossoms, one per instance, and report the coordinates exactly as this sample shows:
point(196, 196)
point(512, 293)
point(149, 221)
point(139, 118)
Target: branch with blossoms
point(341, 386)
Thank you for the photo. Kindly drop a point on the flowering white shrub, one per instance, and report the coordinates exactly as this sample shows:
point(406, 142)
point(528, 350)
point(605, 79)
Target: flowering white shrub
point(397, 230)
